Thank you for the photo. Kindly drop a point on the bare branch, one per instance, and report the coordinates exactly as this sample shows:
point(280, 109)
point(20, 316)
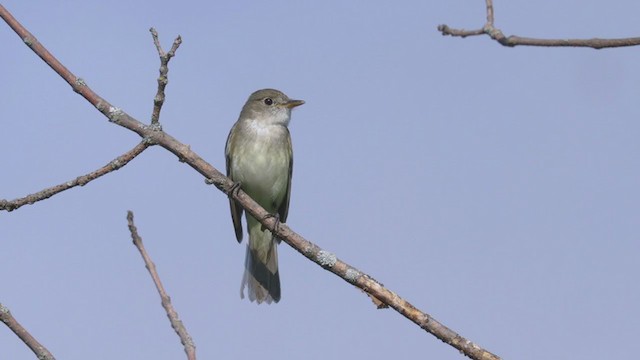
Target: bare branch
point(353, 276)
point(114, 165)
point(313, 252)
point(78, 85)
point(513, 40)
point(176, 323)
point(163, 79)
point(33, 344)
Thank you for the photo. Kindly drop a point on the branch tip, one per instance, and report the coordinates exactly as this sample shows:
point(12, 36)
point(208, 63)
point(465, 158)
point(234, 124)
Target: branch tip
point(172, 314)
point(82, 180)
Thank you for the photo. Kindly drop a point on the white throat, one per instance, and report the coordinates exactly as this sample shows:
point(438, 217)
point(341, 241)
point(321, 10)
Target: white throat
point(277, 116)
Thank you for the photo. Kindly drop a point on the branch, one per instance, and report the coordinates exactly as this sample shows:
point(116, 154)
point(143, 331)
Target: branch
point(176, 323)
point(158, 100)
point(321, 257)
point(355, 277)
point(513, 40)
point(33, 344)
point(114, 165)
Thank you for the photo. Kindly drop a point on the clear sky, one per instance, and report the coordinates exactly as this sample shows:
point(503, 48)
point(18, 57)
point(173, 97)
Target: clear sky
point(494, 188)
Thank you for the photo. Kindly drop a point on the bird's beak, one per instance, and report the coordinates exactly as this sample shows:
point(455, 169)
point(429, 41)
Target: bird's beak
point(293, 103)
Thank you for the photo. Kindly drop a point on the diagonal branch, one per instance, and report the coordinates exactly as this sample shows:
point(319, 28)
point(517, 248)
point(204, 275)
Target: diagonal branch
point(321, 257)
point(355, 277)
point(114, 165)
point(78, 85)
point(513, 40)
point(24, 335)
point(174, 319)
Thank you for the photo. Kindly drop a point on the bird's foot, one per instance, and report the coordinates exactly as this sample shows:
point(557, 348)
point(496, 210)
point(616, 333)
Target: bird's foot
point(276, 225)
point(233, 190)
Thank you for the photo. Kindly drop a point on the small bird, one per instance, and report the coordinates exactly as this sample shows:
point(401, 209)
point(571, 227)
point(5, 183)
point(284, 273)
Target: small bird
point(260, 160)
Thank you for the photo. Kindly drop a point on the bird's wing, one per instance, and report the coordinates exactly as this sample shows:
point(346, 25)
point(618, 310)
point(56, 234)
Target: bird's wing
point(283, 211)
point(236, 209)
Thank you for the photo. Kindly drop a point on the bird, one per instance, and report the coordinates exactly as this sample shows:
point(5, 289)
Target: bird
point(259, 160)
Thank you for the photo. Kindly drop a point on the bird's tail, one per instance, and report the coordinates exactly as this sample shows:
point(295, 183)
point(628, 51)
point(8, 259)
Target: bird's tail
point(261, 265)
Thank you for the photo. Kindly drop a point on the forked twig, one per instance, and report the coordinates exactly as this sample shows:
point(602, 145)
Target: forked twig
point(513, 40)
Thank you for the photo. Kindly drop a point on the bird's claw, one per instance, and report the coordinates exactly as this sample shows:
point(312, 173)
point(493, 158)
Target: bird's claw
point(234, 188)
point(276, 226)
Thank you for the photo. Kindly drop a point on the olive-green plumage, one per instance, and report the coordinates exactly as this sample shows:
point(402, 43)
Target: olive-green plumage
point(260, 158)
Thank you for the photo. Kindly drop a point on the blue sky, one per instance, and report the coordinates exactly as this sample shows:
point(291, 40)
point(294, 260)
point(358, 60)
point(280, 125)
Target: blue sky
point(494, 188)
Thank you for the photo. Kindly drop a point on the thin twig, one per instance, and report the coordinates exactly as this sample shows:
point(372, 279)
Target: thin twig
point(33, 344)
point(114, 165)
point(215, 177)
point(513, 40)
point(176, 323)
point(163, 79)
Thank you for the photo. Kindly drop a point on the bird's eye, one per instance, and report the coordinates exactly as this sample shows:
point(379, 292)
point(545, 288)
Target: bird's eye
point(268, 101)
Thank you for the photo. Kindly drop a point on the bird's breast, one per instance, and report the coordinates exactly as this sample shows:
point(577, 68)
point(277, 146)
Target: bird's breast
point(261, 161)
